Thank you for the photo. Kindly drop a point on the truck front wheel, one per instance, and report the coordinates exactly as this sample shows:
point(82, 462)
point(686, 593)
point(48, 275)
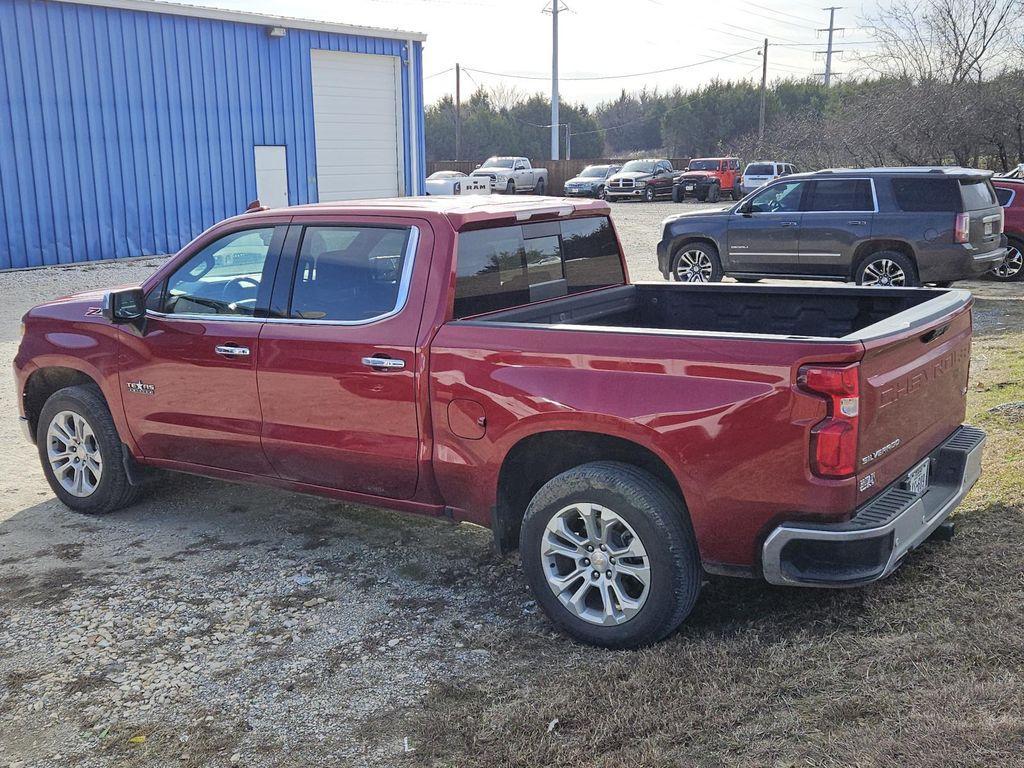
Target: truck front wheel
point(81, 452)
point(610, 555)
point(510, 188)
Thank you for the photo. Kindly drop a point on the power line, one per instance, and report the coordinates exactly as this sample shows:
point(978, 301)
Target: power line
point(612, 77)
point(780, 13)
point(438, 74)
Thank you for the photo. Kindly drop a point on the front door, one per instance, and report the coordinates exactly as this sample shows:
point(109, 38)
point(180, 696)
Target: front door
point(838, 216)
point(767, 238)
point(338, 368)
point(189, 379)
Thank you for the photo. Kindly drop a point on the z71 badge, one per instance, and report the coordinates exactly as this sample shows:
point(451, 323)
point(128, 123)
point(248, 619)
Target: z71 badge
point(141, 389)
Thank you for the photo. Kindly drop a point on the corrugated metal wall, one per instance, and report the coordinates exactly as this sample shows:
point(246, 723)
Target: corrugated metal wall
point(125, 133)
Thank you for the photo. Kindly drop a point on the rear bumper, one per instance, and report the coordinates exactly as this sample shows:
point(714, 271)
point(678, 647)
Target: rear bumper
point(873, 543)
point(958, 263)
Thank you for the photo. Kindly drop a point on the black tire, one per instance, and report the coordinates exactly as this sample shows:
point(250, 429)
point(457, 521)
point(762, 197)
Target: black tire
point(702, 196)
point(876, 262)
point(113, 490)
point(649, 194)
point(539, 188)
point(714, 192)
point(942, 284)
point(602, 194)
point(510, 188)
point(748, 279)
point(660, 522)
point(677, 194)
point(709, 252)
point(1010, 269)
point(737, 193)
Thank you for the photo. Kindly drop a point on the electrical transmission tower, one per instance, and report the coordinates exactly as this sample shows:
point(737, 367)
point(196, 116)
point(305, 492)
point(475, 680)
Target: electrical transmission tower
point(831, 29)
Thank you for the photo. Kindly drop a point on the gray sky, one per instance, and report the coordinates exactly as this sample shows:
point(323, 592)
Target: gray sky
point(598, 38)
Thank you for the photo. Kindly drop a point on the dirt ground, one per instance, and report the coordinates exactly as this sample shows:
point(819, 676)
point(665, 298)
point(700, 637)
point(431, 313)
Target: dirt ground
point(216, 624)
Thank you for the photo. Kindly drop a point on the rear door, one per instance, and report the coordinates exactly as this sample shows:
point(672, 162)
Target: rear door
point(338, 365)
point(767, 240)
point(982, 205)
point(838, 216)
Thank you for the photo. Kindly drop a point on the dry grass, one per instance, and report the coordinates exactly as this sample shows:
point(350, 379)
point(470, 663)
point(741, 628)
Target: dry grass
point(926, 669)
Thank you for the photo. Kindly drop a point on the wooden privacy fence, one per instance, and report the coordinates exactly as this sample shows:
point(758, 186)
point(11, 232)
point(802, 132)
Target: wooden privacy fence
point(559, 171)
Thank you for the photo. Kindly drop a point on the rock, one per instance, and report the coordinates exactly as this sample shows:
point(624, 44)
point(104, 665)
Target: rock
point(393, 642)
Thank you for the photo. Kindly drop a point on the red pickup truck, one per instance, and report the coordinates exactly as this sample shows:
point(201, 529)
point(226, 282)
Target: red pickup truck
point(489, 361)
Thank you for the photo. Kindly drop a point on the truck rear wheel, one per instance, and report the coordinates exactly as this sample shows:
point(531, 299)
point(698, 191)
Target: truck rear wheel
point(610, 555)
point(887, 268)
point(539, 189)
point(81, 452)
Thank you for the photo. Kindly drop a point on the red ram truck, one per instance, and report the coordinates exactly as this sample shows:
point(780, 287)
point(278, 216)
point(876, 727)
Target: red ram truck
point(489, 361)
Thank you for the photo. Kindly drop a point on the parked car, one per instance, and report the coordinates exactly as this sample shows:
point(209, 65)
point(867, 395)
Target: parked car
point(756, 175)
point(1016, 172)
point(1010, 193)
point(487, 361)
point(875, 226)
point(708, 178)
point(590, 182)
point(457, 183)
point(642, 180)
point(511, 175)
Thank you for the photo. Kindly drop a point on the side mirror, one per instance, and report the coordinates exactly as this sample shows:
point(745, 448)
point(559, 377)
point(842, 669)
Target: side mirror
point(746, 208)
point(125, 306)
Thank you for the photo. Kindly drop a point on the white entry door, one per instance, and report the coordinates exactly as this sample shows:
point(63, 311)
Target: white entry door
point(272, 176)
point(357, 117)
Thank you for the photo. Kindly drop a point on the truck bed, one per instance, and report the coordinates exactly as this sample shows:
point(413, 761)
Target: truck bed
point(845, 313)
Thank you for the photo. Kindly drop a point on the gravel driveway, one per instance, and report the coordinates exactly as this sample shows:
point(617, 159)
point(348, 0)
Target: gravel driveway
point(216, 624)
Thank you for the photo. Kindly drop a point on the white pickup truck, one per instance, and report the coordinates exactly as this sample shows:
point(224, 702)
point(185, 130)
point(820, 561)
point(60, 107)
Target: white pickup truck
point(510, 175)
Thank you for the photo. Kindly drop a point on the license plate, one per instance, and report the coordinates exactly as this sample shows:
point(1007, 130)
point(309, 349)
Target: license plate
point(689, 187)
point(988, 228)
point(917, 478)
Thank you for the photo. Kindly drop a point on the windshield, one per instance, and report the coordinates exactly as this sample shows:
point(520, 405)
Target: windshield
point(760, 169)
point(703, 165)
point(594, 172)
point(498, 162)
point(642, 166)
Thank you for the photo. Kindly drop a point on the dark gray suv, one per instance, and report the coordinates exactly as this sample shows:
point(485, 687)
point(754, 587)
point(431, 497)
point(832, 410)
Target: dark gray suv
point(875, 226)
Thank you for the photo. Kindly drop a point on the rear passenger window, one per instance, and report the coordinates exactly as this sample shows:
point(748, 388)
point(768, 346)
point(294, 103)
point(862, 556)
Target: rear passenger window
point(842, 195)
point(1004, 196)
point(927, 195)
point(349, 274)
point(505, 267)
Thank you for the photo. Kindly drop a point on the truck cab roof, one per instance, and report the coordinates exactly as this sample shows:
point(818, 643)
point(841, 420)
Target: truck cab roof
point(461, 212)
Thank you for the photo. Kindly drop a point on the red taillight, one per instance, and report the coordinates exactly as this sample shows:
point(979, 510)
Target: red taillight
point(834, 440)
point(962, 232)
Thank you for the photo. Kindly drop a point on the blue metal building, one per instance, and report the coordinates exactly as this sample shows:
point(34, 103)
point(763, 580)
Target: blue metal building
point(127, 127)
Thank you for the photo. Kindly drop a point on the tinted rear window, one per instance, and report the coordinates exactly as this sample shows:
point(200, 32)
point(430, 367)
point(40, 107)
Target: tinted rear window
point(922, 195)
point(1004, 196)
point(508, 266)
point(977, 195)
point(761, 169)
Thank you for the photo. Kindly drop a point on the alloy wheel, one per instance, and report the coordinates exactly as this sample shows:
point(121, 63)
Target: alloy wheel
point(1011, 265)
point(595, 564)
point(884, 272)
point(74, 453)
point(694, 266)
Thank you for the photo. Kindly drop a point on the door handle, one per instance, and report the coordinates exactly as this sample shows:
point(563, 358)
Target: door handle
point(231, 350)
point(388, 363)
point(787, 223)
point(857, 222)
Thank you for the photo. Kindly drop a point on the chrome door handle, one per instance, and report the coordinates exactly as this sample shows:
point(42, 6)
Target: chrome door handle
point(857, 222)
point(787, 223)
point(389, 363)
point(231, 350)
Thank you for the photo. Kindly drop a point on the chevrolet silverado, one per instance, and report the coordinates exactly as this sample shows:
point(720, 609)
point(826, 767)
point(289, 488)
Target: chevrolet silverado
point(488, 360)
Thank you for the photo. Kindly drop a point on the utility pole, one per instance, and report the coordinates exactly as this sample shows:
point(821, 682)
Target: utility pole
point(458, 112)
point(568, 141)
point(554, 78)
point(832, 29)
point(764, 88)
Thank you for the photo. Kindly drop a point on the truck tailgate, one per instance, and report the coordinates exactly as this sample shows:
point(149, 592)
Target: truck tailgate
point(913, 393)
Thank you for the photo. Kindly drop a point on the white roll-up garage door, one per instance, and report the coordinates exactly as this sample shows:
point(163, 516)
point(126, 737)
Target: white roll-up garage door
point(357, 116)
